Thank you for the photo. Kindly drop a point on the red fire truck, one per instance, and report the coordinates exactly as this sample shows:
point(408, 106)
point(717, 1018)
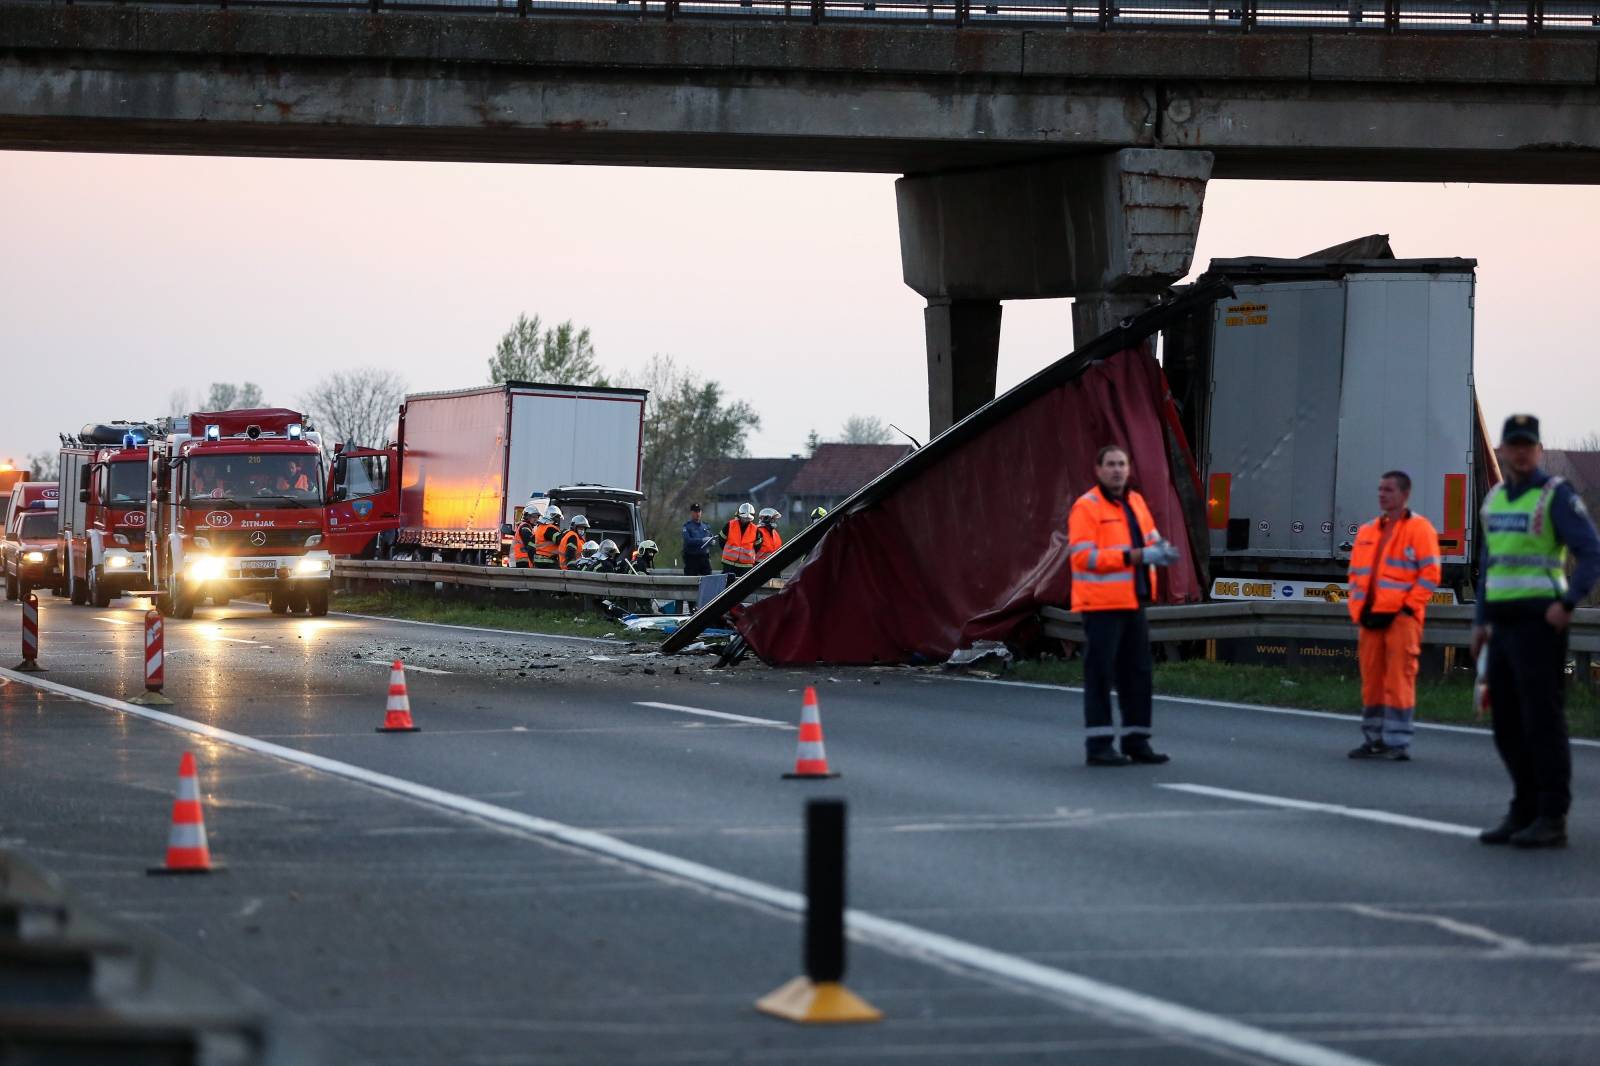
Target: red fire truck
point(105, 483)
point(238, 507)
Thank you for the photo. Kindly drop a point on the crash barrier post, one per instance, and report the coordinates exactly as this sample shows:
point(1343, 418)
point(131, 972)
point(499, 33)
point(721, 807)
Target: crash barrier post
point(155, 662)
point(187, 850)
point(30, 635)
point(819, 997)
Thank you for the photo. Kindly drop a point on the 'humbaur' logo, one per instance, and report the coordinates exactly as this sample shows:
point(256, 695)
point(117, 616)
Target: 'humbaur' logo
point(219, 518)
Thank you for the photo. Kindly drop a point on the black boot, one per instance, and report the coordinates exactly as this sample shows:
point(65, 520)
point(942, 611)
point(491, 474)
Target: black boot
point(1106, 757)
point(1138, 749)
point(1509, 827)
point(1544, 832)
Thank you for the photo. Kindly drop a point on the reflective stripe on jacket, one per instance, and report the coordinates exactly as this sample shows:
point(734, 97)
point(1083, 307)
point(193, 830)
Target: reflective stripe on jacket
point(739, 545)
point(569, 547)
point(770, 542)
point(544, 543)
point(1408, 574)
point(1097, 540)
point(1527, 560)
point(519, 544)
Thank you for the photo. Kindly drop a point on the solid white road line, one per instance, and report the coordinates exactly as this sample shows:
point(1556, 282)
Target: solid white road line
point(113, 621)
point(1297, 712)
point(1129, 1007)
point(410, 667)
point(481, 629)
point(746, 719)
point(1363, 813)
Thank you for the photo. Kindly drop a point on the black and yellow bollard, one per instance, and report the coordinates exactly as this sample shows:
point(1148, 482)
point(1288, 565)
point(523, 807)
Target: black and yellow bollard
point(819, 997)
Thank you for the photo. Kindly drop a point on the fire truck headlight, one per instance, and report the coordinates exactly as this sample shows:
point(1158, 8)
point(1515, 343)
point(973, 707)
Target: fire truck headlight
point(204, 568)
point(118, 562)
point(33, 557)
point(311, 566)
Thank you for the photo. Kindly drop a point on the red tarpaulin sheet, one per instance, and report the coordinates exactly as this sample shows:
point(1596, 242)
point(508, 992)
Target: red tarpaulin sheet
point(972, 546)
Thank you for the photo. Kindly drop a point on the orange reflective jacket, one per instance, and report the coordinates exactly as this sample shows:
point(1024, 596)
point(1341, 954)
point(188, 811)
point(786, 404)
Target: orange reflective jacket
point(1408, 574)
point(739, 545)
point(1097, 540)
point(770, 542)
point(544, 543)
point(569, 547)
point(519, 546)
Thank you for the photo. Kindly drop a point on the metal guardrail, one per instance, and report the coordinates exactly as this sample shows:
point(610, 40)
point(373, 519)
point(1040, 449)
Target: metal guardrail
point(569, 582)
point(1244, 16)
point(1446, 626)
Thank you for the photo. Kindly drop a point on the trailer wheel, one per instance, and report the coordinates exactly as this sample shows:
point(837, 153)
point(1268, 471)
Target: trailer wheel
point(99, 595)
point(11, 587)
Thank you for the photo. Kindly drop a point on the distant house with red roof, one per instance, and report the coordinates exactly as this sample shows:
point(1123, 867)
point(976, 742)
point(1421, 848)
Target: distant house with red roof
point(835, 471)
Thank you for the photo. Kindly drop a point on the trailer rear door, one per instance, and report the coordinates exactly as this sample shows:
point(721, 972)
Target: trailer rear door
point(1275, 380)
point(1407, 401)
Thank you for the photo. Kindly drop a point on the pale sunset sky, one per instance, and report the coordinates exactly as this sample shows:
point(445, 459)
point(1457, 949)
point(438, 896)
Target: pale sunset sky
point(123, 278)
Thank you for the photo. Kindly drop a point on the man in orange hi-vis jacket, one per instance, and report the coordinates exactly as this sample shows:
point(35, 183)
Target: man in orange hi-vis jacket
point(1115, 550)
point(1394, 570)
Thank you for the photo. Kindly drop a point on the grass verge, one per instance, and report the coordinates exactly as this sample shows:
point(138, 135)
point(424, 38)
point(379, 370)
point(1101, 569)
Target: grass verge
point(573, 621)
point(1446, 699)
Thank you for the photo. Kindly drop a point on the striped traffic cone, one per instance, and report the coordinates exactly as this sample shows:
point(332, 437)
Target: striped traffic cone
point(397, 718)
point(810, 759)
point(187, 852)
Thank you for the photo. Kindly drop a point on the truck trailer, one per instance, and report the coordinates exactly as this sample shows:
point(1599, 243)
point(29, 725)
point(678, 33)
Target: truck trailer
point(466, 462)
point(1318, 376)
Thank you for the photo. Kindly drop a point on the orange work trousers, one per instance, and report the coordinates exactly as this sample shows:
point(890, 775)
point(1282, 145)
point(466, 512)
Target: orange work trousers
point(1389, 681)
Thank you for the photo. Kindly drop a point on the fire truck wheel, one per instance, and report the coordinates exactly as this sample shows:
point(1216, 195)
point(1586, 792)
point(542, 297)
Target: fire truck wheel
point(80, 592)
point(277, 603)
point(23, 589)
point(11, 587)
point(99, 595)
point(317, 603)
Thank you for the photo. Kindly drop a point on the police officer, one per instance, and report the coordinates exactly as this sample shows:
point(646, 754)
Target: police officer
point(697, 541)
point(1525, 602)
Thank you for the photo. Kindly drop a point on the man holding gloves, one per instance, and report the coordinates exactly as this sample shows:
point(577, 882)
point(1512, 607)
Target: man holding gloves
point(1115, 550)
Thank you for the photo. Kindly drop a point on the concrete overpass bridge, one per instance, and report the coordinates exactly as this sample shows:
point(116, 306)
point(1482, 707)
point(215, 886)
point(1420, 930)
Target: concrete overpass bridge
point(1049, 148)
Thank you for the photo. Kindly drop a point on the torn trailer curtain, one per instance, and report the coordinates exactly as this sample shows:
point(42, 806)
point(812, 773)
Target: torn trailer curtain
point(962, 544)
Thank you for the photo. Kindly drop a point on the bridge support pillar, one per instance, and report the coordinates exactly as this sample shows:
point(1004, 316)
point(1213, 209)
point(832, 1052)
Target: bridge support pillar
point(1111, 230)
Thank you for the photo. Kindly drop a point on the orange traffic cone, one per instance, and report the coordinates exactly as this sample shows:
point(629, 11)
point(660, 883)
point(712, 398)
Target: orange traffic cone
point(187, 852)
point(397, 718)
point(810, 759)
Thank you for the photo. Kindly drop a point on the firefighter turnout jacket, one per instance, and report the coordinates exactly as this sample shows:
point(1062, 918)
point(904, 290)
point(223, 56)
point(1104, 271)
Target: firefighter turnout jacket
point(1099, 540)
point(569, 549)
point(545, 535)
point(1406, 574)
point(768, 542)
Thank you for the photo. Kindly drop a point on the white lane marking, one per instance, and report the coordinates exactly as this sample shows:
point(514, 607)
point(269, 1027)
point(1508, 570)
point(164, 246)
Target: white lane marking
point(1296, 712)
point(908, 941)
point(113, 621)
point(1365, 814)
point(481, 629)
point(746, 719)
point(230, 640)
point(1482, 934)
point(389, 665)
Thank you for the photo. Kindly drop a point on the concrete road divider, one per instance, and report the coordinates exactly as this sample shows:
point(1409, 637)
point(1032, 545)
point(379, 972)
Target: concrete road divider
point(811, 758)
point(820, 997)
point(397, 715)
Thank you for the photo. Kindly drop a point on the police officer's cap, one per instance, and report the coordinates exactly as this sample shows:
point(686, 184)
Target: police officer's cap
point(694, 507)
point(1520, 429)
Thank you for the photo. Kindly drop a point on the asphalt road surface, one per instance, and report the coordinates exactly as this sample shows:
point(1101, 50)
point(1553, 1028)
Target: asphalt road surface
point(596, 860)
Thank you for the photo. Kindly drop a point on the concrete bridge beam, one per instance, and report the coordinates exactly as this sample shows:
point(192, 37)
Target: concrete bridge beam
point(1112, 231)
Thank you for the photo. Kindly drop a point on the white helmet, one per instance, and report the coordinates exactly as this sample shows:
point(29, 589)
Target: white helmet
point(768, 515)
point(553, 515)
point(648, 547)
point(578, 521)
point(590, 549)
point(608, 548)
point(747, 511)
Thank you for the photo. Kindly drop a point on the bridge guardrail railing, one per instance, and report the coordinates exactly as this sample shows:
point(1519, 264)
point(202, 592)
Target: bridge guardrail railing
point(1344, 16)
point(1447, 626)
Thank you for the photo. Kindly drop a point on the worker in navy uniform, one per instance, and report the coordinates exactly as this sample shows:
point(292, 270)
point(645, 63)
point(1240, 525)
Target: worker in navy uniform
point(1531, 521)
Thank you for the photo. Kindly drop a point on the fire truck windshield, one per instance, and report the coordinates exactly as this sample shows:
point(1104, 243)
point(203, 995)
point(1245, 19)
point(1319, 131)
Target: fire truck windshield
point(128, 485)
point(245, 480)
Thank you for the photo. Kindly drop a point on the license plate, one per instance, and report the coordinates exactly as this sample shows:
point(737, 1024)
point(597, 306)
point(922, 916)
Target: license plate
point(258, 564)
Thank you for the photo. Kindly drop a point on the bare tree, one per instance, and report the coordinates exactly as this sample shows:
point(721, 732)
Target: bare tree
point(1589, 442)
point(42, 466)
point(356, 406)
point(179, 402)
point(865, 429)
point(226, 396)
